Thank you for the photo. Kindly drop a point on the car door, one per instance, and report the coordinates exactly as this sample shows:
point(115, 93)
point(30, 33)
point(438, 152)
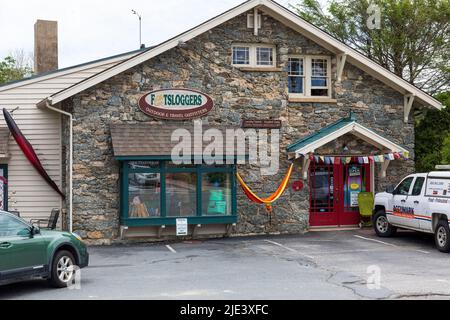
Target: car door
point(417, 201)
point(21, 253)
point(403, 215)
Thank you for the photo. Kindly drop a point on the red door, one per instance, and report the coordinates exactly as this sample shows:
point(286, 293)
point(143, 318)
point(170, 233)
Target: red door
point(334, 193)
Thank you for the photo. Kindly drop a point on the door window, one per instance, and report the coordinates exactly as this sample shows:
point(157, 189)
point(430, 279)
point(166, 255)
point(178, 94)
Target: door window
point(418, 185)
point(404, 187)
point(10, 227)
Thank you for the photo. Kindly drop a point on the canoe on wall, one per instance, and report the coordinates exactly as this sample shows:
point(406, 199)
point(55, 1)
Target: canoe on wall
point(29, 152)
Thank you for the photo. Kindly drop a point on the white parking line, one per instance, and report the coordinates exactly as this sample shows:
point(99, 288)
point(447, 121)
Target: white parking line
point(374, 240)
point(389, 244)
point(171, 249)
point(287, 248)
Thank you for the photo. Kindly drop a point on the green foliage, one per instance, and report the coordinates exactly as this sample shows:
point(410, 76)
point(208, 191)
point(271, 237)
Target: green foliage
point(9, 71)
point(412, 41)
point(433, 137)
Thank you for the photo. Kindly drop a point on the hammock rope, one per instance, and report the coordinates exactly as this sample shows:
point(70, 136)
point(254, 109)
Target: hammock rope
point(268, 202)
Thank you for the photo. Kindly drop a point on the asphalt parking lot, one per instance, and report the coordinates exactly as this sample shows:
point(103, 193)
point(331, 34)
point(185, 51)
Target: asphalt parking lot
point(317, 265)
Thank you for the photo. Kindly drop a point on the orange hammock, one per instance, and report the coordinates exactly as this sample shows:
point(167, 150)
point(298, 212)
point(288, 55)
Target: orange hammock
point(274, 197)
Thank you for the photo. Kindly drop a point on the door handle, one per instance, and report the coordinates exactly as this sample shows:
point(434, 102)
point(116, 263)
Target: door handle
point(5, 245)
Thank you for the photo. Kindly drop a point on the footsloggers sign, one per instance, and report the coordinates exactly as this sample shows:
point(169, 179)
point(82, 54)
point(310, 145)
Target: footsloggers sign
point(176, 104)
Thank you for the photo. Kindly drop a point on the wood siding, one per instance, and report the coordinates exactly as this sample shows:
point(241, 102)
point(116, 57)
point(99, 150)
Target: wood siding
point(28, 193)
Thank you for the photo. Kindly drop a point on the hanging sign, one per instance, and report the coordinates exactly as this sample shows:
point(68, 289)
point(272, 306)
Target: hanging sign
point(262, 124)
point(176, 104)
point(182, 227)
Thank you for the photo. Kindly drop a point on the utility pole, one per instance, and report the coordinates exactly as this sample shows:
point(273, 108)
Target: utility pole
point(140, 27)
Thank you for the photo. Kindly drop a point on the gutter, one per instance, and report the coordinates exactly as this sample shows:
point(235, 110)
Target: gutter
point(46, 103)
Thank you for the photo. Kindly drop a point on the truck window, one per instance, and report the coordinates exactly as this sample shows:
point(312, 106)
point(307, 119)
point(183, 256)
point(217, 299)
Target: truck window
point(418, 185)
point(403, 188)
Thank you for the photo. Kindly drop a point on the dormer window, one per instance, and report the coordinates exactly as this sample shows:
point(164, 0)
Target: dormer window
point(309, 76)
point(254, 56)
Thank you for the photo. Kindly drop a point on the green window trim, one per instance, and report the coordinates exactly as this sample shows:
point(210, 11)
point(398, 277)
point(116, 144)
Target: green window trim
point(163, 170)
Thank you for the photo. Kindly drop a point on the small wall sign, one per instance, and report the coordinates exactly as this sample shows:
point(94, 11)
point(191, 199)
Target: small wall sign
point(261, 124)
point(176, 104)
point(298, 186)
point(182, 227)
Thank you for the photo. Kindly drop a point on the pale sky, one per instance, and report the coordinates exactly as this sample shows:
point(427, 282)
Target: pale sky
point(94, 29)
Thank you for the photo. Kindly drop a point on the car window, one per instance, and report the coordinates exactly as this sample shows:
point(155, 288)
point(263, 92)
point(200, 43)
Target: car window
point(10, 227)
point(418, 185)
point(403, 188)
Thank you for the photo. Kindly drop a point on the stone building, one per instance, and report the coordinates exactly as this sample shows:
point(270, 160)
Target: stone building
point(344, 122)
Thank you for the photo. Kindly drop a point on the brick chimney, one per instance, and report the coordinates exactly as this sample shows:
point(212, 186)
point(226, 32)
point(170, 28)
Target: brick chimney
point(45, 46)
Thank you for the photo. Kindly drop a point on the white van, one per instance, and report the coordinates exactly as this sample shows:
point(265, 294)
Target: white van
point(420, 202)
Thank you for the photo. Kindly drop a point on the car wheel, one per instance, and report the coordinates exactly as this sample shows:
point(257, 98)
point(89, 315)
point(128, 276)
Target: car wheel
point(63, 269)
point(442, 236)
point(382, 226)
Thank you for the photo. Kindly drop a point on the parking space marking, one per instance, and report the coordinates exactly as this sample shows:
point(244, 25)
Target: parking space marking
point(287, 248)
point(171, 249)
point(390, 244)
point(377, 241)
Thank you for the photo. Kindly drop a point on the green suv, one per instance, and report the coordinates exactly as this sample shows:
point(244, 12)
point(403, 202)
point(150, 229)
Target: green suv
point(28, 252)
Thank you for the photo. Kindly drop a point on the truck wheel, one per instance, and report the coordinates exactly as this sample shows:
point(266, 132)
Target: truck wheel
point(382, 226)
point(442, 236)
point(63, 270)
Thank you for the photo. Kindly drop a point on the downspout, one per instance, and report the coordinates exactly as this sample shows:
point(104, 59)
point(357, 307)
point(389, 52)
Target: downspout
point(48, 106)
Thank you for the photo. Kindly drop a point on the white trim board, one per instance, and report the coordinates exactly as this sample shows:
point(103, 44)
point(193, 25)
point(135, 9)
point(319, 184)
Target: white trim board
point(283, 15)
point(353, 128)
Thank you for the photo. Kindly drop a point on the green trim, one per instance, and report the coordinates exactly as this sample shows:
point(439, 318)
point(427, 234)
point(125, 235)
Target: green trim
point(321, 133)
point(163, 169)
point(5, 186)
point(169, 158)
point(173, 221)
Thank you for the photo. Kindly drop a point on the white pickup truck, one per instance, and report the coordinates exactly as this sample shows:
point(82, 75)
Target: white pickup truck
point(420, 202)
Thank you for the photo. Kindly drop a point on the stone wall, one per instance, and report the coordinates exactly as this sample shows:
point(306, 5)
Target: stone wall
point(204, 63)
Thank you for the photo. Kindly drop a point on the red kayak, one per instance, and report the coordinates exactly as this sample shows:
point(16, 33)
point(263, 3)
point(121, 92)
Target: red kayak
point(28, 151)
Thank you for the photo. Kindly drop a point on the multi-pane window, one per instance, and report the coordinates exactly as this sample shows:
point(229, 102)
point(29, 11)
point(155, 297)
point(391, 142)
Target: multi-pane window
point(254, 56)
point(241, 55)
point(309, 76)
point(319, 77)
point(264, 56)
point(296, 75)
point(160, 190)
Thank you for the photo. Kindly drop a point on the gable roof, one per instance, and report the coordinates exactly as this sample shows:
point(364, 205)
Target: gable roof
point(342, 127)
point(69, 70)
point(280, 13)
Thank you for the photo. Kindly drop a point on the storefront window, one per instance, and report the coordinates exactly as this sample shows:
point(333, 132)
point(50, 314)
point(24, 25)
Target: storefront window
point(144, 192)
point(216, 194)
point(181, 194)
point(158, 192)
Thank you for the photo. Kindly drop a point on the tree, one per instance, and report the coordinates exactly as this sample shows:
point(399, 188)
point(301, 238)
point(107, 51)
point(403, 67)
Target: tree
point(412, 39)
point(15, 66)
point(433, 136)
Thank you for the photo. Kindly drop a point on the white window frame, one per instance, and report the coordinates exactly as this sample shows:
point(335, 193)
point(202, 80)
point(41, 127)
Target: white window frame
point(253, 49)
point(303, 76)
point(307, 71)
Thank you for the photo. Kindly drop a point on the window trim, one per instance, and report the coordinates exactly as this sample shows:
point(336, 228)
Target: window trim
point(253, 55)
point(163, 169)
point(307, 71)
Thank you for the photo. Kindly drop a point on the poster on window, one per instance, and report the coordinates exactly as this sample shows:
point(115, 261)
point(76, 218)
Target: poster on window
point(354, 199)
